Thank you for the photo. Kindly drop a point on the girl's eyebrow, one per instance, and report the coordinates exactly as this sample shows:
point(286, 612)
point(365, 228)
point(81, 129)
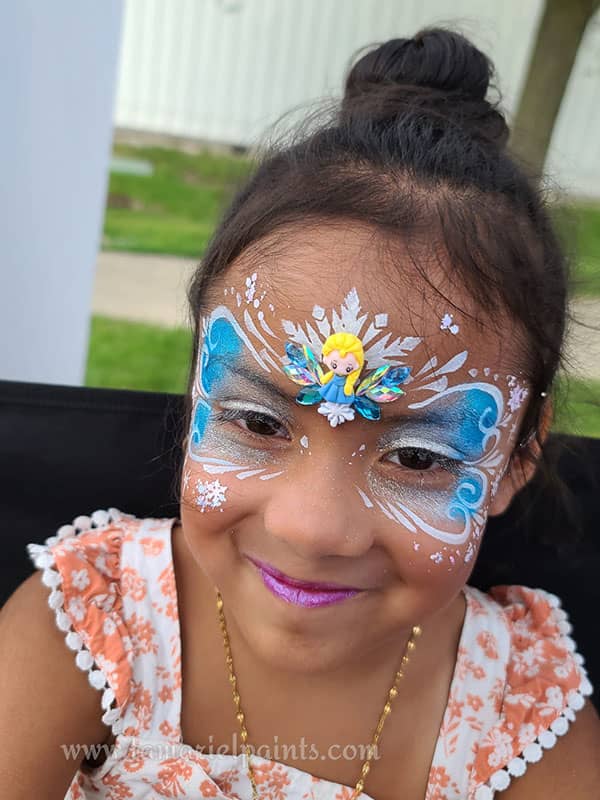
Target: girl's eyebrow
point(436, 420)
point(259, 381)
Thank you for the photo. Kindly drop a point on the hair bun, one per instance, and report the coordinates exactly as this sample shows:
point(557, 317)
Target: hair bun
point(433, 58)
point(432, 68)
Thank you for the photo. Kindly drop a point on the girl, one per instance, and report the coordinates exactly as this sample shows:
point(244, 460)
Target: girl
point(305, 629)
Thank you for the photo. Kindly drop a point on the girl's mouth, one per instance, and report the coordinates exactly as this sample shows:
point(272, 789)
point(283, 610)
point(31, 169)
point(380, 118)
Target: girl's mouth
point(301, 593)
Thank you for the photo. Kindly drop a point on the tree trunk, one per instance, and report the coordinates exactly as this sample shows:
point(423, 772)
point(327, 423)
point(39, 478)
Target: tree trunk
point(559, 36)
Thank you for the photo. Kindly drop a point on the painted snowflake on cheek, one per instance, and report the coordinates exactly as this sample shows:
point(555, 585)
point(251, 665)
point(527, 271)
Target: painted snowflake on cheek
point(210, 495)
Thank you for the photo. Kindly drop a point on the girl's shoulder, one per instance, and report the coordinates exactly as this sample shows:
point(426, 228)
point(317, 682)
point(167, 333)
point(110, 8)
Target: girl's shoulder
point(519, 683)
point(111, 584)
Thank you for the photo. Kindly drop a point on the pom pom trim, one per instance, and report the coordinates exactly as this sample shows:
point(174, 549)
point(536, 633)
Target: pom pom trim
point(43, 559)
point(533, 752)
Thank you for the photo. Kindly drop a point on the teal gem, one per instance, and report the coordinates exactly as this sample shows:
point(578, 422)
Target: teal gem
point(367, 408)
point(295, 354)
point(395, 376)
point(308, 397)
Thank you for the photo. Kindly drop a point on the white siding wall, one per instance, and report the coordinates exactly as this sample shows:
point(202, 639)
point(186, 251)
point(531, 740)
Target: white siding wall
point(58, 63)
point(224, 70)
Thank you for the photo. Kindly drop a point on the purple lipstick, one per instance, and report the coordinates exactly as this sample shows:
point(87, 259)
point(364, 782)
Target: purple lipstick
point(302, 593)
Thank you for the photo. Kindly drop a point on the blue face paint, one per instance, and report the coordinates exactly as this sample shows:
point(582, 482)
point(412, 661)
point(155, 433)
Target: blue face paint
point(467, 496)
point(461, 423)
point(221, 347)
point(478, 413)
point(201, 414)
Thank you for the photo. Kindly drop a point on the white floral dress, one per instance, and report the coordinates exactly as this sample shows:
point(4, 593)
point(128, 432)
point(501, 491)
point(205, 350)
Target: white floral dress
point(517, 684)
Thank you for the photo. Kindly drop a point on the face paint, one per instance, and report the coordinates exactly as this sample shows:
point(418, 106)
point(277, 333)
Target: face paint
point(468, 418)
point(446, 324)
point(210, 495)
point(380, 348)
point(463, 430)
point(518, 394)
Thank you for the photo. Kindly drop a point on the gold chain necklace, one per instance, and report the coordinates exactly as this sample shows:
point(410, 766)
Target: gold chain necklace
point(387, 709)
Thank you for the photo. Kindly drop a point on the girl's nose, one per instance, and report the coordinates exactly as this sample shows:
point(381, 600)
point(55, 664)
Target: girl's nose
point(318, 512)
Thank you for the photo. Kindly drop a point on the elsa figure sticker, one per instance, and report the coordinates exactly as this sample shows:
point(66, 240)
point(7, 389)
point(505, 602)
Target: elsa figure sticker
point(334, 390)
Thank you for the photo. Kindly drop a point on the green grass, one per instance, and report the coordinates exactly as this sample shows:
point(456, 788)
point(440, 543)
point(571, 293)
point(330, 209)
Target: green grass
point(175, 210)
point(577, 408)
point(129, 355)
point(579, 224)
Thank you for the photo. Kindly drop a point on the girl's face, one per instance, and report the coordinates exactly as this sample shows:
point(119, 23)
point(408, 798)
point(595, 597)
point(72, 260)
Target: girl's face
point(324, 541)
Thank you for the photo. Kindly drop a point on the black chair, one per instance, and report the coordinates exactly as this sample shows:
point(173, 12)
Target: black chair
point(68, 451)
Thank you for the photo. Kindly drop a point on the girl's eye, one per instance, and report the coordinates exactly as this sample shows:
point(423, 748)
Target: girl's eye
point(348, 370)
point(334, 365)
point(254, 422)
point(421, 460)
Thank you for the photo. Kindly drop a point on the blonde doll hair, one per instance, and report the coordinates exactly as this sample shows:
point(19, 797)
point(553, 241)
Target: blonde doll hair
point(345, 343)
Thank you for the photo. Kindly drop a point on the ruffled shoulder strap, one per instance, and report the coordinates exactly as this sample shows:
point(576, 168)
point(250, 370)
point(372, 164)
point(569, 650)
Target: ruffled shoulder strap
point(546, 684)
point(81, 566)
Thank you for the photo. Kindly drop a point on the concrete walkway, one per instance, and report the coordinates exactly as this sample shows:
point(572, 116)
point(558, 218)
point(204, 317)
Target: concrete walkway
point(148, 288)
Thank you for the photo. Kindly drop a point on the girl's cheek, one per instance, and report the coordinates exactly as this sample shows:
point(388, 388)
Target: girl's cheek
point(429, 531)
point(206, 494)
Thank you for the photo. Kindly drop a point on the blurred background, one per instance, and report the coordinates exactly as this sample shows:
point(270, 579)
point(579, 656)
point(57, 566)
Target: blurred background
point(129, 124)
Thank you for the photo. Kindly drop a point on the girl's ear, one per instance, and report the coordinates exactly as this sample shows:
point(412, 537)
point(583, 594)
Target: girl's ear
point(523, 464)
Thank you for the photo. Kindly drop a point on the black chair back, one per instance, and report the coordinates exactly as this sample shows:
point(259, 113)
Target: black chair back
point(67, 451)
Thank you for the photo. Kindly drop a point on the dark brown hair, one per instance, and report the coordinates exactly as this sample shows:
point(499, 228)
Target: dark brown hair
point(416, 150)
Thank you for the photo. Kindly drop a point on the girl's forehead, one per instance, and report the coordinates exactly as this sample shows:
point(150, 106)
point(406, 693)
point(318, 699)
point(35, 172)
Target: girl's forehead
point(329, 279)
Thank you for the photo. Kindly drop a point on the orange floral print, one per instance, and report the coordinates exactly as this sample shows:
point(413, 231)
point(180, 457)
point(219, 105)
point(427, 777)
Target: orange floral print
point(142, 635)
point(474, 701)
point(152, 547)
point(167, 730)
point(515, 677)
point(133, 584)
point(487, 642)
point(228, 779)
point(141, 701)
point(134, 762)
point(170, 776)
point(117, 789)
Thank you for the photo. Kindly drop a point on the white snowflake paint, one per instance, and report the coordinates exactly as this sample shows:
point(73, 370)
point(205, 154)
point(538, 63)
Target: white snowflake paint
point(304, 442)
point(437, 558)
point(517, 394)
point(381, 348)
point(469, 553)
point(210, 495)
point(447, 324)
point(251, 288)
